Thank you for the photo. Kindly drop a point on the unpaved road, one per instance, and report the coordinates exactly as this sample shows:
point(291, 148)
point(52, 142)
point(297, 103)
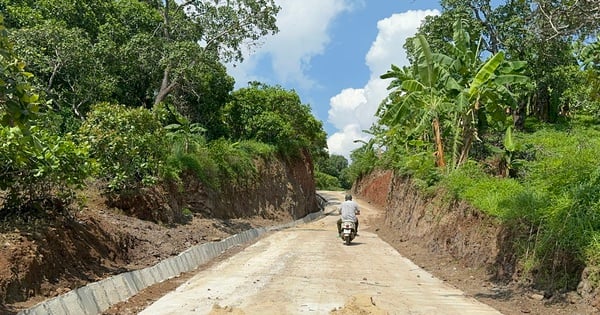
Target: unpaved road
point(307, 270)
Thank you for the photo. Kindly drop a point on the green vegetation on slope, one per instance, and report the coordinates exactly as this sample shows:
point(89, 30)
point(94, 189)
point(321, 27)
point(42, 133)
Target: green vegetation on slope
point(556, 198)
point(135, 94)
point(500, 109)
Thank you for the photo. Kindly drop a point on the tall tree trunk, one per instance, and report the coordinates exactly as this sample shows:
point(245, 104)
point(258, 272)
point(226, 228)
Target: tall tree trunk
point(466, 148)
point(165, 86)
point(542, 103)
point(439, 155)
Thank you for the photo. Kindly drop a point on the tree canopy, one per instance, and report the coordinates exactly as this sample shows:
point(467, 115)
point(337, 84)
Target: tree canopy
point(481, 67)
point(137, 53)
point(540, 32)
point(135, 93)
point(276, 116)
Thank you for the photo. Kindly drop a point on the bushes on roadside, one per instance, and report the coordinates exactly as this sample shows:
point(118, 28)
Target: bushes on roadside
point(130, 145)
point(325, 181)
point(37, 163)
point(556, 202)
point(40, 166)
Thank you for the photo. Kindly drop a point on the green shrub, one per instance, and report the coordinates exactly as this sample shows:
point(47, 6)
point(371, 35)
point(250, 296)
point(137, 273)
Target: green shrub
point(212, 162)
point(37, 163)
point(419, 166)
point(40, 166)
point(129, 144)
point(462, 178)
point(234, 164)
point(592, 250)
point(255, 148)
point(199, 163)
point(556, 201)
point(273, 115)
point(492, 195)
point(364, 161)
point(561, 159)
point(325, 181)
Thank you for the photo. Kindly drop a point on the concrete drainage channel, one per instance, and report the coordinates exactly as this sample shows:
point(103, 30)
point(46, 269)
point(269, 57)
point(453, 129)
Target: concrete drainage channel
point(97, 297)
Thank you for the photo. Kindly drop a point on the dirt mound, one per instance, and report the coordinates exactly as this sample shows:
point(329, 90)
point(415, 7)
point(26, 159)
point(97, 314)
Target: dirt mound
point(219, 310)
point(359, 305)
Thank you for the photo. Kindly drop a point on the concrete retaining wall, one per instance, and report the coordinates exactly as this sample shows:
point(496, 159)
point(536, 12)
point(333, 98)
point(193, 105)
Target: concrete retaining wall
point(97, 297)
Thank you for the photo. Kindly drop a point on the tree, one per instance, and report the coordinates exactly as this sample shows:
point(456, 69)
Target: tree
point(364, 160)
point(19, 101)
point(416, 103)
point(457, 92)
point(204, 94)
point(585, 91)
point(36, 165)
point(273, 115)
point(567, 18)
point(524, 30)
point(66, 68)
point(130, 145)
point(139, 52)
point(88, 16)
point(222, 26)
point(485, 97)
point(335, 167)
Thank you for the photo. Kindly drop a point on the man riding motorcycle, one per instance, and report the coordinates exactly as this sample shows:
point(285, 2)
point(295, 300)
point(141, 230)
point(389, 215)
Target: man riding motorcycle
point(348, 211)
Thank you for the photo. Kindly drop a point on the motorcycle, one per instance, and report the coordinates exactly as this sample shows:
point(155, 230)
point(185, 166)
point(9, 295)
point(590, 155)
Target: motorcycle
point(348, 232)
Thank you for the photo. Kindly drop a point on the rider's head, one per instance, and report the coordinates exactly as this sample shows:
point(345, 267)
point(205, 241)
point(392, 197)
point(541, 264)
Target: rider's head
point(348, 197)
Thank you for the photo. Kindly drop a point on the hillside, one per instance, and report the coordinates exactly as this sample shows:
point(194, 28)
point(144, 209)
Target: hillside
point(49, 255)
point(454, 242)
point(459, 244)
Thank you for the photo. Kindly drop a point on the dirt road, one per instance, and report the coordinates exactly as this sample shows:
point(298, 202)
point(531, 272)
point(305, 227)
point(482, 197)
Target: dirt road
point(307, 270)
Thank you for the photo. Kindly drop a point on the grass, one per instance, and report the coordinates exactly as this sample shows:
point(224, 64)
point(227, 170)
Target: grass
point(557, 195)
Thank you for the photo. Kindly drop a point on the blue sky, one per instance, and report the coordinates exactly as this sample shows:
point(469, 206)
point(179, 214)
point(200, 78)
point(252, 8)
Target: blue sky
point(332, 52)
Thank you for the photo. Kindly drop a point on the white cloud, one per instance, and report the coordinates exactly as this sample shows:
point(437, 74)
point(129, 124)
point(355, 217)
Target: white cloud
point(353, 110)
point(346, 140)
point(303, 34)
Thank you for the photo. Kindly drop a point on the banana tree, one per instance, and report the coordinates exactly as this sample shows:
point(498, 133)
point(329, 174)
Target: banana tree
point(487, 99)
point(444, 97)
point(419, 99)
point(481, 89)
point(185, 133)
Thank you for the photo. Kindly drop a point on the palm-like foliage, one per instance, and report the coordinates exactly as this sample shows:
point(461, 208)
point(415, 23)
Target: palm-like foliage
point(445, 99)
point(417, 101)
point(185, 134)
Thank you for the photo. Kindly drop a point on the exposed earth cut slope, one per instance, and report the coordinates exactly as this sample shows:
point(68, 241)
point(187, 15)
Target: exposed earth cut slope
point(460, 244)
point(51, 253)
point(44, 256)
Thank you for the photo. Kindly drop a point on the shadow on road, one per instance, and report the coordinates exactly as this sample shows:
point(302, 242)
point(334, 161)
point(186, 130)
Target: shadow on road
point(496, 295)
point(354, 244)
